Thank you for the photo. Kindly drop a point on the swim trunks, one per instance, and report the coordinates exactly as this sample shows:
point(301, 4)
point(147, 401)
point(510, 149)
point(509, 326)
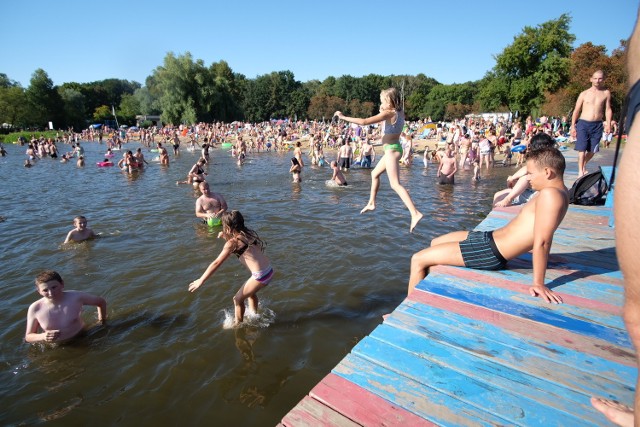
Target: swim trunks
point(524, 197)
point(479, 251)
point(345, 162)
point(444, 179)
point(365, 162)
point(588, 135)
point(633, 102)
point(263, 276)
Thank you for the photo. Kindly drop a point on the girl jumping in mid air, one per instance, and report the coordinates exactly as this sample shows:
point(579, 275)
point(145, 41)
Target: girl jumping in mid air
point(392, 118)
point(247, 246)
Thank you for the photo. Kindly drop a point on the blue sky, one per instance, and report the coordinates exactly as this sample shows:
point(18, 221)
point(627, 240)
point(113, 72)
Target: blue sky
point(452, 41)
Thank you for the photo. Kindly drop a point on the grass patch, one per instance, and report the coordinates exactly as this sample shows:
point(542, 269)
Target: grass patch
point(12, 137)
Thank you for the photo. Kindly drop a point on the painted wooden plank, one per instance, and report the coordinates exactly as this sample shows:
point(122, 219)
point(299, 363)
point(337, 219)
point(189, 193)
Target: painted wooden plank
point(362, 406)
point(417, 397)
point(524, 327)
point(402, 326)
point(523, 344)
point(457, 388)
point(466, 374)
point(311, 413)
point(537, 314)
point(495, 287)
point(585, 294)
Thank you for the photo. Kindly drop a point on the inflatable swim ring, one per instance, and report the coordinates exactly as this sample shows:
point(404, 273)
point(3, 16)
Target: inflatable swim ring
point(226, 145)
point(518, 148)
point(104, 164)
point(212, 222)
point(154, 150)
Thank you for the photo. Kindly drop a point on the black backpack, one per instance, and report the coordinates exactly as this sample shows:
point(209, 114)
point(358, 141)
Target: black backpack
point(590, 189)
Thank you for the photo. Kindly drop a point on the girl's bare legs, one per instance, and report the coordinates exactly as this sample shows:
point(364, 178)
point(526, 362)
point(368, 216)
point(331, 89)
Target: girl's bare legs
point(375, 184)
point(393, 173)
point(246, 291)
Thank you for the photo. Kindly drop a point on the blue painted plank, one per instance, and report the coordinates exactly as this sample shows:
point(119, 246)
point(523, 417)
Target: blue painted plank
point(502, 349)
point(612, 335)
point(594, 290)
point(546, 349)
point(526, 300)
point(414, 396)
point(488, 396)
point(528, 390)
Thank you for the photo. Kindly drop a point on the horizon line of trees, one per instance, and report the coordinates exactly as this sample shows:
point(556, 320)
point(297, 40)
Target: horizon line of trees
point(539, 73)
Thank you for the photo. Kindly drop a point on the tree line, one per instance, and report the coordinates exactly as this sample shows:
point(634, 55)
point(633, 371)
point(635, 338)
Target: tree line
point(539, 73)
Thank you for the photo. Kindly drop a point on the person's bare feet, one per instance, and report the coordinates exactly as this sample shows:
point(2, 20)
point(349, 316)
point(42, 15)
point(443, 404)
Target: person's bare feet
point(415, 219)
point(369, 207)
point(615, 412)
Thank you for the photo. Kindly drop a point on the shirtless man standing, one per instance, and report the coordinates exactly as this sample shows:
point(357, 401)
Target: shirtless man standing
point(368, 154)
point(586, 122)
point(531, 230)
point(448, 166)
point(209, 205)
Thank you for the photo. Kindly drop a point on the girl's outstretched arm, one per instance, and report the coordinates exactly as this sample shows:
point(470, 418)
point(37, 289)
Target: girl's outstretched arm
point(222, 257)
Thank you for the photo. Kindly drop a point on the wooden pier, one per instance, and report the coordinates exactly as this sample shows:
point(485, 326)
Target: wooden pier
point(473, 348)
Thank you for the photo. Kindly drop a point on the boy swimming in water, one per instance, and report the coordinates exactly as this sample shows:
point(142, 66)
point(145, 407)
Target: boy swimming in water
point(57, 313)
point(80, 232)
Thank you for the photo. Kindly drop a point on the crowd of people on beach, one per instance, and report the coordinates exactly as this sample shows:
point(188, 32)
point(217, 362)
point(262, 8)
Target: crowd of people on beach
point(534, 147)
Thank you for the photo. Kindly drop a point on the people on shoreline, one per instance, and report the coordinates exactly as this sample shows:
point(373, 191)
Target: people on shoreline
point(80, 231)
point(528, 231)
point(58, 313)
point(391, 116)
point(245, 244)
point(586, 122)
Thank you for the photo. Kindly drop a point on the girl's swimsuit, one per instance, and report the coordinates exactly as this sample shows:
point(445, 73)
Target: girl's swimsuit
point(263, 276)
point(389, 128)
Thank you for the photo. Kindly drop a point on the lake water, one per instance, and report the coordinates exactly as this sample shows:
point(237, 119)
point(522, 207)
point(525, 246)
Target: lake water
point(163, 356)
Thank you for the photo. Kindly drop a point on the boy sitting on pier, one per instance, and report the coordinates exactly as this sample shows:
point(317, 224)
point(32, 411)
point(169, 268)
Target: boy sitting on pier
point(531, 230)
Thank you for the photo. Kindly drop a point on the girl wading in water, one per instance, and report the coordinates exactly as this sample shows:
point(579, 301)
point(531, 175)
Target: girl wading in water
point(247, 246)
point(392, 118)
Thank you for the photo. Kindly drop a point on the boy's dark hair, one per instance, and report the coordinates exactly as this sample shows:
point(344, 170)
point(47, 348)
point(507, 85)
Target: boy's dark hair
point(47, 276)
point(548, 157)
point(541, 140)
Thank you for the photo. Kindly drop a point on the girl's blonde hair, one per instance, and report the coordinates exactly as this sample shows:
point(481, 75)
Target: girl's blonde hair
point(393, 96)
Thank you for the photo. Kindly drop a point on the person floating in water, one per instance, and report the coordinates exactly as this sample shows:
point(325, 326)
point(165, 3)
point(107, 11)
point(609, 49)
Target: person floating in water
point(392, 118)
point(80, 232)
point(249, 248)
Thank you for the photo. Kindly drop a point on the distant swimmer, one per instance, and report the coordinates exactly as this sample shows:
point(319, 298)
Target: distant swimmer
point(245, 244)
point(80, 231)
point(448, 166)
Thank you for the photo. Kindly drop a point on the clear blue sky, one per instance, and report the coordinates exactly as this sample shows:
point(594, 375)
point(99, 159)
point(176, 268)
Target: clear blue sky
point(451, 41)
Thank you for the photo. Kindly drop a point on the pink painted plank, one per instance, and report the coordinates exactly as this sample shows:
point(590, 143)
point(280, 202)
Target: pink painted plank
point(528, 328)
point(311, 413)
point(467, 273)
point(362, 406)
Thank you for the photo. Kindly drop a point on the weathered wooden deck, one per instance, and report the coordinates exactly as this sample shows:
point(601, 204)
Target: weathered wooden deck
point(472, 348)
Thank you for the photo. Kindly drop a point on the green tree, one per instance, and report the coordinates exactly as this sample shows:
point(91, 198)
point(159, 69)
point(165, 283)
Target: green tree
point(102, 113)
point(128, 109)
point(13, 106)
point(535, 63)
point(74, 109)
point(44, 101)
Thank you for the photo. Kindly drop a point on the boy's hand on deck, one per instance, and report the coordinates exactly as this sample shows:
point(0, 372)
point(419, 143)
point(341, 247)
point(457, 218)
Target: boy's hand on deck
point(546, 293)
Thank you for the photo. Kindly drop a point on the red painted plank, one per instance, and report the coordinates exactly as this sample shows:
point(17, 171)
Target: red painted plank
point(528, 328)
point(467, 273)
point(362, 406)
point(311, 413)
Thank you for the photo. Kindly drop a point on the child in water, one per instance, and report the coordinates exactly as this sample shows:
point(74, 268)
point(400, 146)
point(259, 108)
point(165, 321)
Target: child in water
point(247, 246)
point(57, 313)
point(338, 176)
point(81, 231)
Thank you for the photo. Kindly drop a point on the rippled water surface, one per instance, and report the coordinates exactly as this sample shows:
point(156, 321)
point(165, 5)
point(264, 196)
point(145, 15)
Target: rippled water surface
point(163, 356)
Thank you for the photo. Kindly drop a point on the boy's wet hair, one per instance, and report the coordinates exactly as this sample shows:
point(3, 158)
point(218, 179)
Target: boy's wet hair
point(47, 276)
point(548, 157)
point(541, 140)
point(79, 217)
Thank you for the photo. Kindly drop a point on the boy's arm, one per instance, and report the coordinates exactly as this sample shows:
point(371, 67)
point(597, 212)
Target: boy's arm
point(69, 237)
point(32, 334)
point(99, 302)
point(222, 257)
point(550, 208)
